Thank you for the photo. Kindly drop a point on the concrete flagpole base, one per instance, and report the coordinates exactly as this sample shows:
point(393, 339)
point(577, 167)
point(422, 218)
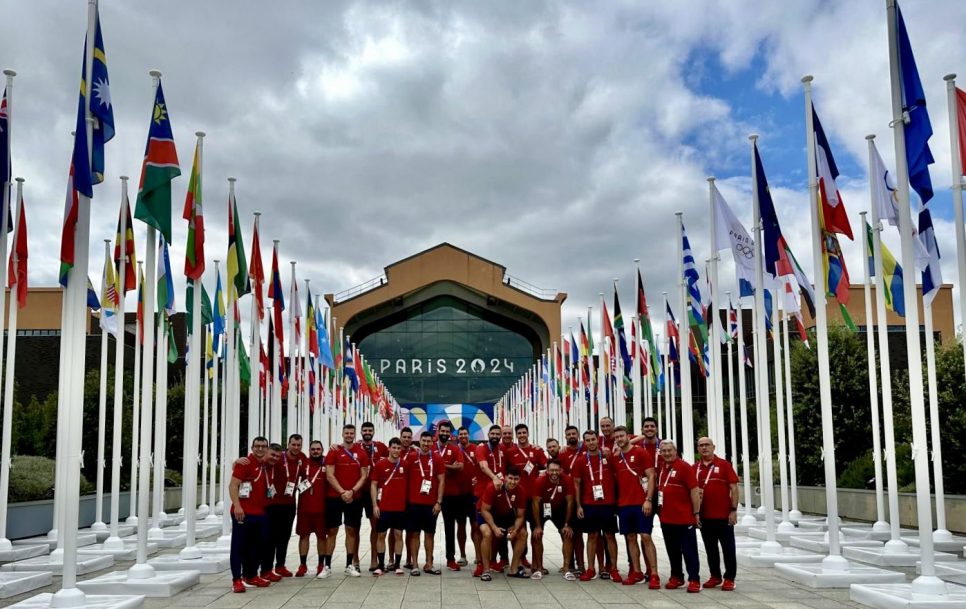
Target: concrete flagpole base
point(795, 516)
point(780, 536)
point(952, 543)
point(889, 557)
point(163, 584)
point(820, 543)
point(953, 572)
point(123, 530)
point(836, 572)
point(214, 547)
point(126, 550)
point(866, 531)
point(83, 539)
point(206, 563)
point(99, 526)
point(167, 538)
point(202, 530)
point(19, 582)
point(80, 601)
point(932, 593)
point(16, 553)
point(54, 563)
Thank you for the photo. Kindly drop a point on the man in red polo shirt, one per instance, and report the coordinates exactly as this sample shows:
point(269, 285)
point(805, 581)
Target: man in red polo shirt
point(606, 439)
point(651, 445)
point(568, 458)
point(467, 485)
point(454, 508)
point(491, 461)
point(679, 504)
point(388, 488)
point(281, 511)
point(427, 483)
point(719, 514)
point(346, 470)
point(635, 476)
point(531, 461)
point(552, 501)
point(501, 517)
point(311, 509)
point(594, 481)
point(376, 451)
point(248, 492)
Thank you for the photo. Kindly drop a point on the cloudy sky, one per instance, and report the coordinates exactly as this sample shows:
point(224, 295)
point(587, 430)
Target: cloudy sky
point(556, 138)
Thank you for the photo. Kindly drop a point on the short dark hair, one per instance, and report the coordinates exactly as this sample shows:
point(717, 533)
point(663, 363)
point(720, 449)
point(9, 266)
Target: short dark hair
point(569, 427)
point(462, 428)
point(425, 434)
point(314, 442)
point(395, 441)
point(348, 426)
point(496, 427)
point(590, 432)
point(549, 440)
point(648, 420)
point(521, 426)
point(276, 447)
point(295, 436)
point(554, 462)
point(445, 423)
point(404, 430)
point(259, 439)
point(620, 428)
point(367, 424)
point(513, 471)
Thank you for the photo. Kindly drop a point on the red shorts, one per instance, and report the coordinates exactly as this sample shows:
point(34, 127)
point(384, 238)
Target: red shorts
point(309, 523)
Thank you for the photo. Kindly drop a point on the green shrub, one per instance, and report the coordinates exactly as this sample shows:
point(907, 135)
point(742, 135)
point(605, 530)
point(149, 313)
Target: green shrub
point(32, 479)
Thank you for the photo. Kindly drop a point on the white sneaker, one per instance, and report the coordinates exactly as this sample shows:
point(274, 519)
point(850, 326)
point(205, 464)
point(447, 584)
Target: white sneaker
point(325, 573)
point(352, 571)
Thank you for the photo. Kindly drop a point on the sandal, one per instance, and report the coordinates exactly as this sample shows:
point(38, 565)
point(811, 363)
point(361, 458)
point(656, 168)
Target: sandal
point(537, 575)
point(414, 572)
point(486, 577)
point(570, 577)
point(431, 570)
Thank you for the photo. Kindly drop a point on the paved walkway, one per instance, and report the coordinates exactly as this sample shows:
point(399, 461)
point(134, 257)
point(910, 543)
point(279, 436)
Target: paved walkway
point(758, 588)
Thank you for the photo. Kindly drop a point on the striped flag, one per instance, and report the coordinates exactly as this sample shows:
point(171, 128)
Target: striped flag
point(159, 168)
point(130, 255)
point(71, 208)
point(194, 257)
point(109, 299)
point(278, 303)
point(256, 274)
point(238, 282)
point(17, 269)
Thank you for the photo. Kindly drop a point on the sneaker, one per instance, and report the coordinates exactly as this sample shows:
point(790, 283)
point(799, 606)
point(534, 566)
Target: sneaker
point(478, 571)
point(373, 568)
point(498, 566)
point(486, 577)
point(728, 585)
point(526, 563)
point(631, 578)
point(462, 562)
point(588, 575)
point(674, 583)
point(604, 574)
point(258, 582)
point(713, 582)
point(570, 577)
point(237, 586)
point(452, 565)
point(654, 582)
point(282, 571)
point(301, 571)
point(694, 586)
point(319, 570)
point(352, 571)
point(325, 573)
point(615, 576)
point(271, 576)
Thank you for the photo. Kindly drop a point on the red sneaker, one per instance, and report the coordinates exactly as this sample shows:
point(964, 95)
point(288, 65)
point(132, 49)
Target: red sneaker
point(713, 582)
point(654, 581)
point(258, 582)
point(694, 586)
point(301, 571)
point(237, 586)
point(674, 583)
point(478, 571)
point(588, 575)
point(282, 571)
point(271, 576)
point(319, 569)
point(631, 578)
point(526, 563)
point(452, 566)
point(498, 566)
point(728, 585)
point(615, 576)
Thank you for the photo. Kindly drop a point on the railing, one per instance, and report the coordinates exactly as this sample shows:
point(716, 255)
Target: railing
point(529, 288)
point(354, 291)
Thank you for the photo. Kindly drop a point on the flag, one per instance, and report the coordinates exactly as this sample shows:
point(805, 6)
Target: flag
point(101, 109)
point(6, 169)
point(109, 299)
point(932, 277)
point(916, 124)
point(92, 301)
point(69, 230)
point(325, 345)
point(832, 217)
point(296, 314)
point(165, 281)
point(17, 269)
point(278, 302)
point(312, 333)
point(172, 344)
point(884, 195)
point(621, 337)
point(732, 322)
point(730, 234)
point(961, 120)
point(891, 279)
point(209, 354)
point(238, 281)
point(362, 375)
point(256, 274)
point(159, 168)
point(647, 330)
point(81, 170)
point(194, 258)
point(130, 255)
point(673, 338)
point(692, 278)
point(244, 365)
point(218, 315)
point(349, 369)
point(207, 315)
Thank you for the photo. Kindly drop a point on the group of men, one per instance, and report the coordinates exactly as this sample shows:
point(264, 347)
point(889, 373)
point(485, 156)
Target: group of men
point(500, 495)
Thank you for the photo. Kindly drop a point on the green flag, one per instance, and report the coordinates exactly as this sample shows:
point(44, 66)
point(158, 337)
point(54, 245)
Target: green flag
point(160, 166)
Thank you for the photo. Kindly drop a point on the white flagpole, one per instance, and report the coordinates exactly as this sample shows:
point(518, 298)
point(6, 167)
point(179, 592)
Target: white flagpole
point(160, 426)
point(306, 427)
point(133, 508)
point(941, 533)
point(714, 338)
point(113, 542)
point(927, 582)
point(98, 524)
point(834, 560)
point(710, 378)
point(601, 381)
point(230, 404)
point(794, 514)
point(785, 525)
point(873, 383)
point(686, 447)
point(293, 388)
point(636, 378)
point(748, 518)
point(203, 508)
point(215, 417)
point(731, 392)
point(5, 544)
point(592, 417)
point(14, 307)
point(895, 544)
point(765, 473)
point(255, 339)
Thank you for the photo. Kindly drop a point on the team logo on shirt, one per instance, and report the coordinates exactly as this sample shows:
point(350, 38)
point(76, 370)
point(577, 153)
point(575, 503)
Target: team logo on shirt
point(632, 458)
point(717, 469)
point(559, 489)
point(674, 473)
point(513, 497)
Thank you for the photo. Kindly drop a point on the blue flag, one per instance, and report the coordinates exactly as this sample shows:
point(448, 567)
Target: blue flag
point(348, 367)
point(101, 108)
point(92, 300)
point(918, 129)
point(325, 345)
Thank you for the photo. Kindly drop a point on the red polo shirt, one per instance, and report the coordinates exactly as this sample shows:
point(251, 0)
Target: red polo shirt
point(391, 478)
point(503, 503)
point(495, 458)
point(531, 457)
point(424, 467)
point(629, 468)
point(312, 500)
point(348, 465)
point(286, 470)
point(676, 482)
point(450, 455)
point(715, 479)
point(554, 494)
point(255, 474)
point(568, 457)
point(592, 470)
point(471, 471)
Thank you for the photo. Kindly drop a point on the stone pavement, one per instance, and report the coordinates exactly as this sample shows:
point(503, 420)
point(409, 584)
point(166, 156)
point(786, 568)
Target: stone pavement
point(757, 588)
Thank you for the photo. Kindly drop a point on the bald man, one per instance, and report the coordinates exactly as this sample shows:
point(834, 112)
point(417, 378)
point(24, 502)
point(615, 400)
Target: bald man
point(679, 501)
point(718, 484)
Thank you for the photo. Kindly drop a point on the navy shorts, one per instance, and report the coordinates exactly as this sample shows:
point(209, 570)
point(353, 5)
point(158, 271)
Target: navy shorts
point(632, 521)
point(420, 518)
point(391, 520)
point(601, 518)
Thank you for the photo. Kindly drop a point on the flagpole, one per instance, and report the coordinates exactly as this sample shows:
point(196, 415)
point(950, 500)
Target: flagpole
point(275, 411)
point(601, 381)
point(749, 518)
point(762, 407)
point(714, 340)
point(203, 508)
point(873, 384)
point(731, 391)
point(794, 514)
point(98, 524)
point(213, 433)
point(686, 447)
point(133, 508)
point(230, 423)
point(834, 560)
point(927, 582)
point(785, 525)
point(10, 74)
point(293, 391)
point(254, 420)
point(306, 428)
point(160, 417)
point(14, 307)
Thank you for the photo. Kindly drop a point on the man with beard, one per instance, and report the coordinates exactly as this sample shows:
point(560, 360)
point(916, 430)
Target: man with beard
point(387, 493)
point(679, 501)
point(406, 438)
point(635, 476)
point(606, 439)
point(491, 462)
point(501, 511)
point(346, 470)
point(281, 511)
point(311, 510)
point(454, 508)
point(568, 458)
point(467, 485)
point(376, 451)
point(553, 449)
point(427, 483)
point(594, 484)
point(651, 444)
point(530, 460)
point(552, 501)
point(719, 514)
point(248, 492)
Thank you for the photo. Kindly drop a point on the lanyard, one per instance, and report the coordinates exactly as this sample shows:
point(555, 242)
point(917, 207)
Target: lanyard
point(261, 470)
point(288, 475)
point(657, 451)
point(393, 473)
point(710, 471)
point(556, 486)
point(351, 454)
point(315, 477)
point(628, 465)
point(270, 474)
point(498, 461)
point(574, 458)
point(667, 480)
point(419, 460)
point(372, 450)
point(506, 495)
point(600, 467)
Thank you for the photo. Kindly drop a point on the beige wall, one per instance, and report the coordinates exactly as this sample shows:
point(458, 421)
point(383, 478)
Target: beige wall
point(42, 311)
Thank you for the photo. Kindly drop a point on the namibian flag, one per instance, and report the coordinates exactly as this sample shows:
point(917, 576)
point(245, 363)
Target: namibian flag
point(159, 168)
